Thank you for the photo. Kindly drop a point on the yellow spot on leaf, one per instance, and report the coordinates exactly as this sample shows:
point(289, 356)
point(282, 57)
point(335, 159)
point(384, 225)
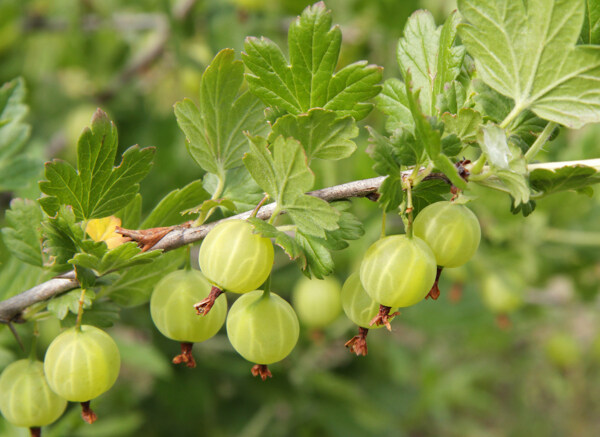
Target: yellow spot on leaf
point(104, 229)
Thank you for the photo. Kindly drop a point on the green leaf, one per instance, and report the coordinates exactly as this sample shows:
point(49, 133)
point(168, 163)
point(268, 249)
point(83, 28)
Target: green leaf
point(427, 52)
point(525, 130)
point(523, 208)
point(449, 58)
point(495, 146)
point(319, 262)
point(428, 135)
point(22, 234)
point(168, 211)
point(393, 102)
point(451, 145)
point(97, 189)
point(283, 240)
point(67, 302)
point(102, 314)
point(516, 184)
point(453, 98)
point(16, 168)
point(590, 33)
point(350, 228)
point(215, 130)
point(284, 174)
point(309, 79)
point(239, 187)
point(122, 256)
point(387, 162)
point(135, 285)
point(527, 51)
point(62, 236)
point(312, 215)
point(443, 163)
point(322, 134)
point(465, 124)
point(567, 178)
point(428, 192)
point(491, 104)
point(131, 213)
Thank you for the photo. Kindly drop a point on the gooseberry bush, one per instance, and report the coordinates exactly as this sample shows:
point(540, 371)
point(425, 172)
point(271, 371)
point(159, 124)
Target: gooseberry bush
point(477, 99)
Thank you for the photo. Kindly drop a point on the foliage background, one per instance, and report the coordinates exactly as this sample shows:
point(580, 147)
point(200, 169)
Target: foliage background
point(450, 368)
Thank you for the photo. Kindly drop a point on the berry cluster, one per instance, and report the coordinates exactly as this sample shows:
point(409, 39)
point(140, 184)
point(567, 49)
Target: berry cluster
point(396, 271)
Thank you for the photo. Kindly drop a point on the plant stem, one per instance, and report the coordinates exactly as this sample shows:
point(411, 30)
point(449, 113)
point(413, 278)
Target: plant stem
point(34, 340)
point(383, 220)
point(80, 310)
point(511, 116)
point(409, 208)
point(540, 141)
point(259, 206)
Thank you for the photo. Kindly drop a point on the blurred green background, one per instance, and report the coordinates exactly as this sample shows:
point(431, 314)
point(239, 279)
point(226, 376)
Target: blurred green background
point(512, 348)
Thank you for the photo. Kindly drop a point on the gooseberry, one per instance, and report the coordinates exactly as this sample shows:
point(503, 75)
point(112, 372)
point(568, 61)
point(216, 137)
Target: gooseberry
point(263, 328)
point(317, 301)
point(26, 398)
point(398, 271)
point(81, 364)
point(172, 311)
point(451, 230)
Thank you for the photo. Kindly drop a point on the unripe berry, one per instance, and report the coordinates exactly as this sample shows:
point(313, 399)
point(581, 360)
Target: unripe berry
point(25, 397)
point(234, 258)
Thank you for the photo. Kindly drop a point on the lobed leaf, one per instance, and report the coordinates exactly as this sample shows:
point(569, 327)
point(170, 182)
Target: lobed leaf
point(22, 234)
point(309, 79)
point(97, 189)
point(575, 177)
point(16, 168)
point(121, 257)
point(168, 211)
point(322, 133)
point(215, 129)
point(526, 51)
point(427, 52)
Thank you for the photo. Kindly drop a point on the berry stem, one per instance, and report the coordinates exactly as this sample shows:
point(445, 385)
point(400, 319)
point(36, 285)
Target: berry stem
point(186, 355)
point(33, 351)
point(358, 344)
point(80, 310)
point(261, 370)
point(204, 306)
point(267, 287)
point(87, 414)
point(540, 141)
point(383, 220)
point(408, 211)
point(35, 431)
point(260, 204)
